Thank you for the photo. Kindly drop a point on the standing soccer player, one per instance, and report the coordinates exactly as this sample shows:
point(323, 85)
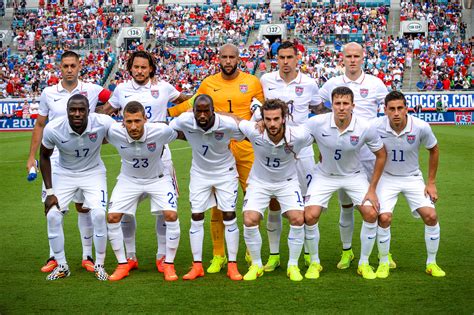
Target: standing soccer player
point(232, 91)
point(403, 136)
point(340, 137)
point(154, 95)
point(273, 175)
point(213, 177)
point(79, 168)
point(143, 172)
point(300, 92)
point(53, 103)
point(369, 91)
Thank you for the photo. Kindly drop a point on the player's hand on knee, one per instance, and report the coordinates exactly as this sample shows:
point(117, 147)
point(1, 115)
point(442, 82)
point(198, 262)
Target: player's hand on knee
point(50, 202)
point(432, 192)
point(371, 197)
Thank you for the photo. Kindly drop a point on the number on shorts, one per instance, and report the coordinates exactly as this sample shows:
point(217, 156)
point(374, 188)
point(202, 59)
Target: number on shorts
point(137, 164)
point(299, 201)
point(309, 178)
point(274, 163)
point(171, 199)
point(205, 147)
point(236, 194)
point(104, 198)
point(337, 154)
point(148, 112)
point(85, 151)
point(400, 158)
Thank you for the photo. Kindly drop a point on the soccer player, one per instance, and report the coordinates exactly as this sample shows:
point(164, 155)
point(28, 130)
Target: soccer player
point(273, 175)
point(154, 95)
point(53, 103)
point(213, 177)
point(78, 139)
point(340, 136)
point(403, 136)
point(143, 172)
point(232, 91)
point(369, 91)
point(300, 92)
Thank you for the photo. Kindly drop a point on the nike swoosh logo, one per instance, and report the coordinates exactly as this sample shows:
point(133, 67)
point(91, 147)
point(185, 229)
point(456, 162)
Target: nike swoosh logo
point(385, 241)
point(87, 238)
point(292, 239)
point(270, 230)
point(193, 232)
point(383, 137)
point(190, 131)
point(127, 96)
point(122, 147)
point(344, 226)
point(215, 90)
point(56, 99)
point(230, 231)
point(271, 89)
point(174, 238)
point(258, 143)
point(371, 238)
point(325, 135)
point(434, 238)
point(64, 141)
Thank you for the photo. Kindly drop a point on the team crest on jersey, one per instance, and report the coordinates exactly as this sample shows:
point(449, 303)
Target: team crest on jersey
point(411, 139)
point(288, 148)
point(151, 146)
point(93, 137)
point(299, 90)
point(244, 88)
point(155, 93)
point(364, 92)
point(83, 93)
point(219, 135)
point(354, 140)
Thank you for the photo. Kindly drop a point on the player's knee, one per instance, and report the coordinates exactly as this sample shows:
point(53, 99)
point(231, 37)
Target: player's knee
point(197, 216)
point(430, 218)
point(114, 217)
point(370, 215)
point(311, 216)
point(296, 220)
point(385, 219)
point(170, 216)
point(227, 216)
point(250, 220)
point(80, 209)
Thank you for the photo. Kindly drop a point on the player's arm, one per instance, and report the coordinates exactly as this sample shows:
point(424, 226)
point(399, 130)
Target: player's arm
point(318, 109)
point(430, 188)
point(45, 166)
point(36, 140)
point(380, 159)
point(236, 118)
point(107, 109)
point(182, 107)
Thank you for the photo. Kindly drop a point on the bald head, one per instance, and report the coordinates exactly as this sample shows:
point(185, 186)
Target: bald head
point(353, 58)
point(229, 49)
point(352, 46)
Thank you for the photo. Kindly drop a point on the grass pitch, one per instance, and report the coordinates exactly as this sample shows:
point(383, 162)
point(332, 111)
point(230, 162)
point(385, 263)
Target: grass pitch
point(24, 248)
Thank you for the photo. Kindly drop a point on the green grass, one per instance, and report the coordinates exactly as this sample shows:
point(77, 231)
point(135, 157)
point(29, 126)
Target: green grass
point(24, 248)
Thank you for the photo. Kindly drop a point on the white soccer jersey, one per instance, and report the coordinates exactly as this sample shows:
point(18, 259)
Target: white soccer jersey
point(403, 148)
point(141, 159)
point(340, 151)
point(369, 91)
point(275, 163)
point(77, 153)
point(53, 99)
point(303, 91)
point(211, 154)
point(153, 97)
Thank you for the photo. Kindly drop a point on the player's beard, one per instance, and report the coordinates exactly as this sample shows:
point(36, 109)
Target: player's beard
point(142, 80)
point(231, 72)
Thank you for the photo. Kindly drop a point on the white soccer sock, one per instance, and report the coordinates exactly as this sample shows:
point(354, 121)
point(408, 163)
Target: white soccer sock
point(383, 243)
point(129, 226)
point(86, 229)
point(116, 241)
point(160, 228)
point(232, 238)
point(311, 240)
point(346, 226)
point(172, 240)
point(253, 240)
point(295, 244)
point(56, 235)
point(196, 237)
point(368, 233)
point(100, 234)
point(274, 227)
point(432, 235)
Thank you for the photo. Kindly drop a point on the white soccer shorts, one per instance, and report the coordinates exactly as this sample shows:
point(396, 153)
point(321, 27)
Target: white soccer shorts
point(259, 193)
point(127, 193)
point(412, 187)
point(368, 166)
point(206, 192)
point(323, 186)
point(305, 168)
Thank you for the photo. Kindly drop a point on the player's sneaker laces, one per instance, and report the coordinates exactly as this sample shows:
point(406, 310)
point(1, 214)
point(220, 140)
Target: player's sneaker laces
point(100, 273)
point(51, 263)
point(132, 263)
point(307, 259)
point(272, 263)
point(120, 272)
point(366, 271)
point(217, 263)
point(254, 272)
point(61, 271)
point(88, 264)
point(159, 264)
point(313, 270)
point(434, 270)
point(293, 272)
point(383, 270)
point(169, 272)
point(346, 258)
point(195, 272)
point(232, 272)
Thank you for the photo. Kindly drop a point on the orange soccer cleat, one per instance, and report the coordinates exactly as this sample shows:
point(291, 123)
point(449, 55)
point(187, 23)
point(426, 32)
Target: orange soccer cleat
point(121, 272)
point(232, 272)
point(88, 264)
point(132, 264)
point(195, 272)
point(169, 272)
point(160, 264)
point(51, 263)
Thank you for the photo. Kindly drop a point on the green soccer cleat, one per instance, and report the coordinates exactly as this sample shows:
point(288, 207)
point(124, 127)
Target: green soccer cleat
point(346, 258)
point(392, 264)
point(434, 270)
point(313, 271)
point(272, 263)
point(307, 259)
point(366, 271)
point(383, 270)
point(217, 263)
point(254, 272)
point(293, 272)
point(248, 259)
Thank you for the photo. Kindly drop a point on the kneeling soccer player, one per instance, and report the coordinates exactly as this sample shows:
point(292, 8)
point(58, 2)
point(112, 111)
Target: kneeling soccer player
point(403, 136)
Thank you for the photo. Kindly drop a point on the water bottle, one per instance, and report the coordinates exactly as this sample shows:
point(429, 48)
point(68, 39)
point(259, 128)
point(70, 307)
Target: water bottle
point(32, 173)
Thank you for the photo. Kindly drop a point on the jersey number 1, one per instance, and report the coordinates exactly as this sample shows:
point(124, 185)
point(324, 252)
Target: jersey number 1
point(230, 106)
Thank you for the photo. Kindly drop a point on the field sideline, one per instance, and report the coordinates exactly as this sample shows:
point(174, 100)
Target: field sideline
point(23, 288)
